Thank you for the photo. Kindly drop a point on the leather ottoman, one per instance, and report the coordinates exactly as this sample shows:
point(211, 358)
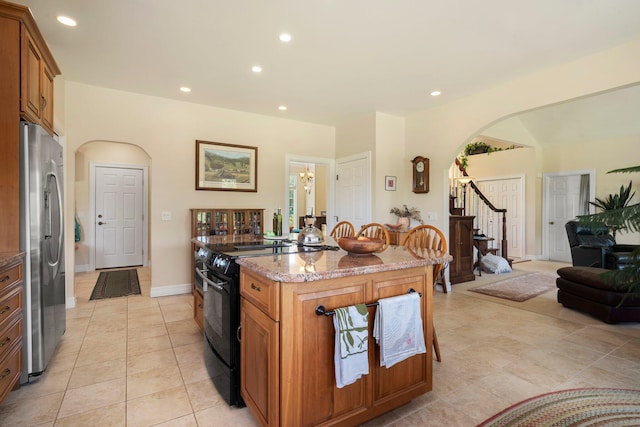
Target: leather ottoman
point(584, 289)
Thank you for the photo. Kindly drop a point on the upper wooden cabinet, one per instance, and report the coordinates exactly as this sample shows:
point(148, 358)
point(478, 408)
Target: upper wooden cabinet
point(37, 67)
point(27, 70)
point(36, 84)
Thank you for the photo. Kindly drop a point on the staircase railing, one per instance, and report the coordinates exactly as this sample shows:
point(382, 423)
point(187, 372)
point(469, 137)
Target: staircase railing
point(489, 220)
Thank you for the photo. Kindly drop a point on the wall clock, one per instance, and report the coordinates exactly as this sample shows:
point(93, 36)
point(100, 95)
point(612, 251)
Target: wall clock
point(420, 175)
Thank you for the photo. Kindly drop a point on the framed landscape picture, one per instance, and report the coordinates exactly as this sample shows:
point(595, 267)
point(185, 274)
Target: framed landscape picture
point(226, 167)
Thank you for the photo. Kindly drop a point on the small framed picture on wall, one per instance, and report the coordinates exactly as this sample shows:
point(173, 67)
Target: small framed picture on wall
point(390, 183)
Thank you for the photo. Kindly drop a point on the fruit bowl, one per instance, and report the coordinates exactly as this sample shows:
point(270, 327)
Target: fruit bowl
point(360, 245)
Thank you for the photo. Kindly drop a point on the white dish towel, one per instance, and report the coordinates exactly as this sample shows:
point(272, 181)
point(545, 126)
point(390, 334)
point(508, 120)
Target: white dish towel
point(351, 356)
point(398, 328)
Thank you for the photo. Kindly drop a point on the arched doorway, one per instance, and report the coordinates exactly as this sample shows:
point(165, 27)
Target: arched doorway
point(92, 159)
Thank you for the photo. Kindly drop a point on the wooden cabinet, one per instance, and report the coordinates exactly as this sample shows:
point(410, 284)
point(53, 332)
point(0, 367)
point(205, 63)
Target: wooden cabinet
point(27, 70)
point(24, 56)
point(209, 222)
point(38, 69)
point(396, 236)
point(10, 326)
point(198, 308)
point(288, 376)
point(461, 248)
point(259, 356)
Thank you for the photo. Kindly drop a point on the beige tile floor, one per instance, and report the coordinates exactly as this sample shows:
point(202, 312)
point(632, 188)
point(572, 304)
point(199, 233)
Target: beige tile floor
point(137, 361)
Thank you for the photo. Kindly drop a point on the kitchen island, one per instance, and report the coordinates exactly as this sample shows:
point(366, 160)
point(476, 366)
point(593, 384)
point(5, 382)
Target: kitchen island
point(287, 360)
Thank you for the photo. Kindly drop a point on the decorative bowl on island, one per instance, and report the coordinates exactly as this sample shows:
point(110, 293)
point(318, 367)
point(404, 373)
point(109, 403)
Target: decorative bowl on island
point(360, 245)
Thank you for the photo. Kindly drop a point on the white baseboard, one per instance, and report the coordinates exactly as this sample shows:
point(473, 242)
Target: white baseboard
point(70, 302)
point(82, 268)
point(164, 291)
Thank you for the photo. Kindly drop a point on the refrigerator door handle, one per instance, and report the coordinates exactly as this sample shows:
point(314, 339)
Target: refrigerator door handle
point(61, 225)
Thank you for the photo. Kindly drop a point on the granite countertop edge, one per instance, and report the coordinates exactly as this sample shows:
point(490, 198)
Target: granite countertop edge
point(334, 273)
point(8, 258)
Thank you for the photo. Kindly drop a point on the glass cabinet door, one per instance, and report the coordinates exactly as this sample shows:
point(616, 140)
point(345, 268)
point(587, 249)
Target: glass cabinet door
point(203, 223)
point(221, 223)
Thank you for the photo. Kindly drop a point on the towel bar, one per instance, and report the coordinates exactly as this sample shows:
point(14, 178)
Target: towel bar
point(320, 310)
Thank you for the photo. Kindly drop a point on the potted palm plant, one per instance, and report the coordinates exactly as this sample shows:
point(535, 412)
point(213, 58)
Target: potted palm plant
point(612, 203)
point(627, 217)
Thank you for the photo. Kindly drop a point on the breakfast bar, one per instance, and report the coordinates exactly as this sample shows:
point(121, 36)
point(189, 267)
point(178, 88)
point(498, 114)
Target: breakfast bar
point(287, 349)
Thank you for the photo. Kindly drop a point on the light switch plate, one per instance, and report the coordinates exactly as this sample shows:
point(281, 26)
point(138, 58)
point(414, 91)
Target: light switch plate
point(166, 216)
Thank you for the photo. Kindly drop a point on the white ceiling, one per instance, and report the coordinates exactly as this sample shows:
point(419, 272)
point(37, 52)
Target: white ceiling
point(347, 57)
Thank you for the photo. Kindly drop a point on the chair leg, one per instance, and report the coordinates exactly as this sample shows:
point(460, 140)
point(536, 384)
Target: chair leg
point(436, 347)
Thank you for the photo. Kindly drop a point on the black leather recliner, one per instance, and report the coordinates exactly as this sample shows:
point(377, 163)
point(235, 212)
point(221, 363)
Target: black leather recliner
point(599, 249)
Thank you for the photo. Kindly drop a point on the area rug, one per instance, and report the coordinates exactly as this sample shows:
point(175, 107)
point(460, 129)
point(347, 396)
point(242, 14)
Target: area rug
point(576, 407)
point(117, 283)
point(520, 288)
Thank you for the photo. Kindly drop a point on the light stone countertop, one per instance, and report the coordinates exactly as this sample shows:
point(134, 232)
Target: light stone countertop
point(7, 258)
point(312, 266)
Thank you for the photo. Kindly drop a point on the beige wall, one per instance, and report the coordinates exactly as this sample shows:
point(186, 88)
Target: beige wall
point(603, 156)
point(167, 130)
point(442, 132)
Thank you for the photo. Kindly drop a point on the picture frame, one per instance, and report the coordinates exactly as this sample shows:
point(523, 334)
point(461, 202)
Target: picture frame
point(390, 183)
point(226, 167)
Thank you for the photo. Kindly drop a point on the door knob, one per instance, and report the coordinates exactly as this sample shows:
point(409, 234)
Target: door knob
point(100, 222)
point(550, 222)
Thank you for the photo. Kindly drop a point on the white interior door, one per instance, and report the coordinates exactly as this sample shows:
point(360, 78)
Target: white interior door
point(352, 189)
point(563, 204)
point(118, 217)
point(507, 194)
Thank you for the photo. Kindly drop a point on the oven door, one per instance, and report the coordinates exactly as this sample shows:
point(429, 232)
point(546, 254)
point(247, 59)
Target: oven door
point(221, 317)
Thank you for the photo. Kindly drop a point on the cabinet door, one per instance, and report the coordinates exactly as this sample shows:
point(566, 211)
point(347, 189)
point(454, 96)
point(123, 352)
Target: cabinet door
point(47, 98)
point(198, 306)
point(461, 247)
point(414, 372)
point(259, 364)
point(309, 395)
point(31, 91)
point(221, 222)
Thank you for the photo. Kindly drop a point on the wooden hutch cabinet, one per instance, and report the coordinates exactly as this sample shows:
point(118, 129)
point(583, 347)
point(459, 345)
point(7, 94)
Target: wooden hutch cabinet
point(220, 222)
point(209, 222)
point(461, 248)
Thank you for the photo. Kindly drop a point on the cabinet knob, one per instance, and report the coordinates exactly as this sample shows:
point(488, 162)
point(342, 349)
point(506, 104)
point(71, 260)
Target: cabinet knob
point(43, 104)
point(4, 278)
point(4, 309)
point(257, 288)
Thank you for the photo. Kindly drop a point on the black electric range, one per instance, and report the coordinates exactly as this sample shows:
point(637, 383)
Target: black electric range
point(221, 293)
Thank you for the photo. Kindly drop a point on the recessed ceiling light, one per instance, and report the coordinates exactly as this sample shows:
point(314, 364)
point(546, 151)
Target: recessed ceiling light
point(435, 93)
point(256, 69)
point(282, 108)
point(285, 37)
point(65, 20)
point(185, 89)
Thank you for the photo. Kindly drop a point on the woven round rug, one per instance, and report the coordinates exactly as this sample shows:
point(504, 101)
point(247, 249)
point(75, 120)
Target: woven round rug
point(577, 407)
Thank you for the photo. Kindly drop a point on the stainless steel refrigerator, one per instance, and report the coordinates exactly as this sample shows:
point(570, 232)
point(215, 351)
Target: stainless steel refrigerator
point(41, 238)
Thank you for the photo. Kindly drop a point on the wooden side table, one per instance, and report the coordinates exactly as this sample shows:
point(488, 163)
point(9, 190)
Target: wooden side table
point(396, 236)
